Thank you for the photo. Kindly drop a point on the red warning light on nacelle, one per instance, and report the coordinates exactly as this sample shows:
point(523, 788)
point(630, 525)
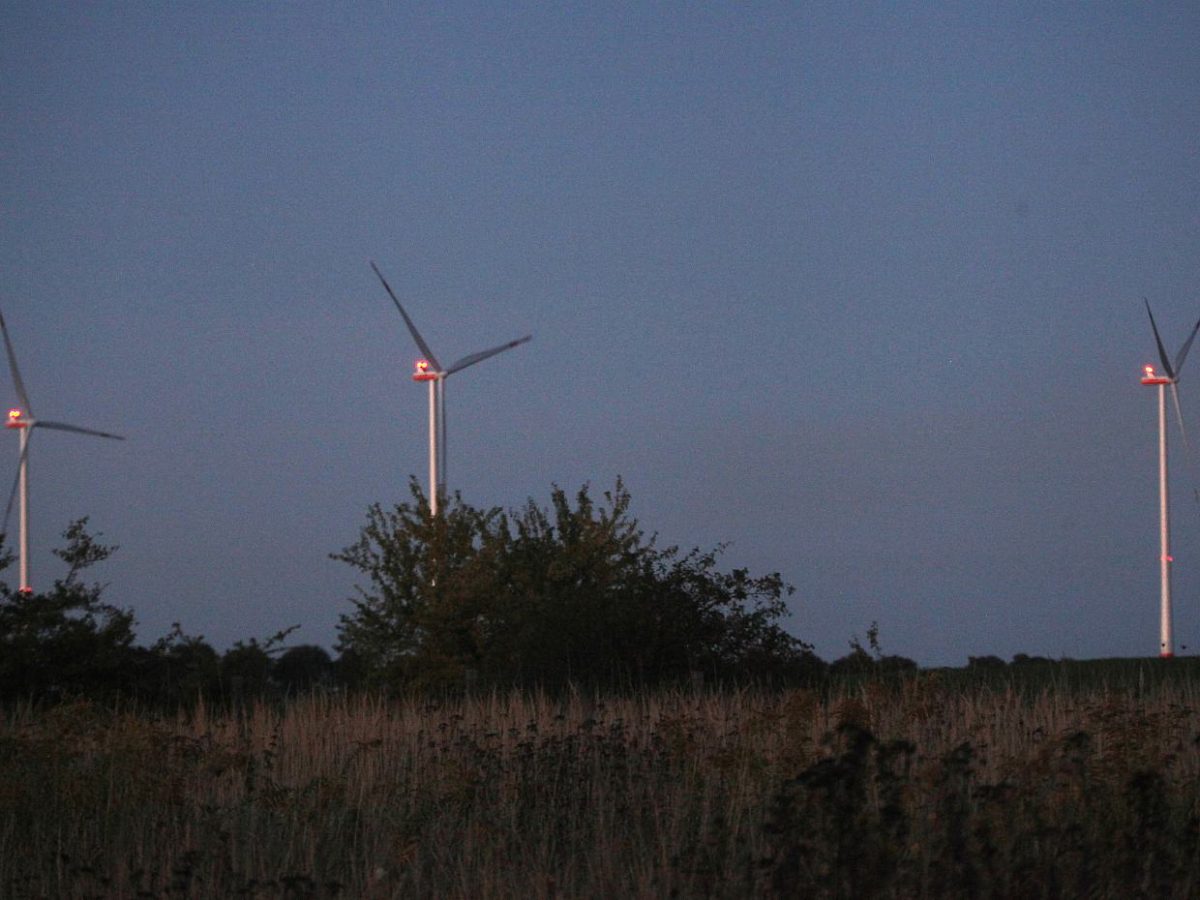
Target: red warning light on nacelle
point(14, 419)
point(422, 372)
point(1149, 376)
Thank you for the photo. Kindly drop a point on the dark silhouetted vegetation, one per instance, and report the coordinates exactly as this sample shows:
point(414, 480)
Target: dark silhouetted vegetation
point(573, 594)
point(69, 643)
point(66, 641)
point(909, 788)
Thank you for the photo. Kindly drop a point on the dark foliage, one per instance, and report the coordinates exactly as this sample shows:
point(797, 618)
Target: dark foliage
point(69, 643)
point(860, 663)
point(576, 593)
point(67, 640)
point(303, 668)
point(1065, 825)
point(985, 662)
point(182, 669)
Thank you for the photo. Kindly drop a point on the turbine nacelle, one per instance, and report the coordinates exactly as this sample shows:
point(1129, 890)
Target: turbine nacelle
point(17, 419)
point(1150, 377)
point(423, 373)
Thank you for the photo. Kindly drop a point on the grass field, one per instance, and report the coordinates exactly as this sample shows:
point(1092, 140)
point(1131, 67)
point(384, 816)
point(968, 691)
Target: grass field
point(937, 785)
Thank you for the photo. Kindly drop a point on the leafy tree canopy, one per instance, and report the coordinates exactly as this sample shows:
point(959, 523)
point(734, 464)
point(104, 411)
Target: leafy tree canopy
point(68, 642)
point(573, 593)
point(65, 640)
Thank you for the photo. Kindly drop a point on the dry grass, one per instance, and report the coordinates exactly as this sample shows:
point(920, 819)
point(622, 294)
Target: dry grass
point(902, 790)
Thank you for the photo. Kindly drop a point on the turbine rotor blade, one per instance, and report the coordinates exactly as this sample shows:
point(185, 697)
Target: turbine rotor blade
point(1183, 351)
point(1188, 455)
point(1179, 414)
point(424, 347)
point(12, 493)
point(1162, 353)
point(16, 373)
point(63, 426)
point(484, 354)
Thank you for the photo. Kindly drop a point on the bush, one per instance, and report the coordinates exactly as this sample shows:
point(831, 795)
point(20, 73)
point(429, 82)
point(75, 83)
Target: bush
point(571, 594)
point(66, 641)
point(303, 668)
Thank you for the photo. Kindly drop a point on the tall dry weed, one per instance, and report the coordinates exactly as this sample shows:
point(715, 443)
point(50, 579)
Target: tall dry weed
point(898, 789)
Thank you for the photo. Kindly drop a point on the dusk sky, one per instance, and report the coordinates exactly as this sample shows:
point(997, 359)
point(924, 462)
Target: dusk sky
point(853, 288)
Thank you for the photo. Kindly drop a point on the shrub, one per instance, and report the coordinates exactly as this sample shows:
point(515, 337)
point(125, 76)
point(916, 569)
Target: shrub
point(576, 593)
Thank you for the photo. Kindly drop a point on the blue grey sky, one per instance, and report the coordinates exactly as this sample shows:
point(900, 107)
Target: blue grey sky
point(855, 288)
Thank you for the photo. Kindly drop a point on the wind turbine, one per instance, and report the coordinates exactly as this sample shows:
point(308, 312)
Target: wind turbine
point(23, 420)
point(1166, 641)
point(429, 369)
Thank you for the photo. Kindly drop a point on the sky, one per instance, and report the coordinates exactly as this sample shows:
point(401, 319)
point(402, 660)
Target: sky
point(853, 289)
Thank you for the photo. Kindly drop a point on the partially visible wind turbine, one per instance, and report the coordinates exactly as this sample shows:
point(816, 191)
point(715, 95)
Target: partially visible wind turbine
point(22, 418)
point(430, 370)
point(1166, 641)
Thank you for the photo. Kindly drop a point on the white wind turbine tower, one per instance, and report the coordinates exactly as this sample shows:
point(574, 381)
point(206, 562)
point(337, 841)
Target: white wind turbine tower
point(1166, 641)
point(22, 419)
point(430, 370)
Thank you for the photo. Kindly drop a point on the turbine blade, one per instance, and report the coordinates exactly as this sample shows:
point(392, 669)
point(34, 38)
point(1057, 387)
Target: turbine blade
point(1179, 415)
point(1189, 455)
point(62, 426)
point(1183, 351)
point(1162, 353)
point(424, 347)
point(12, 493)
point(484, 354)
point(16, 373)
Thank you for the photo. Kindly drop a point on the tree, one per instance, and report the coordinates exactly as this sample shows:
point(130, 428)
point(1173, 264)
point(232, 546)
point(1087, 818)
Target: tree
point(573, 593)
point(66, 641)
point(985, 662)
point(859, 662)
point(302, 668)
point(412, 561)
point(182, 668)
point(247, 670)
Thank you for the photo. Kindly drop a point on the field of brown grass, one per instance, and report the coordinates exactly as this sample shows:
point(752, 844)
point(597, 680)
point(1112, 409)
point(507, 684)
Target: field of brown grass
point(906, 789)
